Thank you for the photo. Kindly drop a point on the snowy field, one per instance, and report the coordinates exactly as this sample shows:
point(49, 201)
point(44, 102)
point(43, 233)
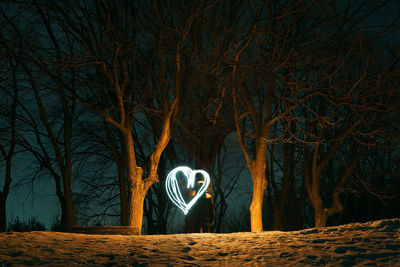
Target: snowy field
point(360, 244)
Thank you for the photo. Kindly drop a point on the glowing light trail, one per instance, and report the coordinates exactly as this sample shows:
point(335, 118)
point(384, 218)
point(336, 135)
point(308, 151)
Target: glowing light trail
point(174, 192)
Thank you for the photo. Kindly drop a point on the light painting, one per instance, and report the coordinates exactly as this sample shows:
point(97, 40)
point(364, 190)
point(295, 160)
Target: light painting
point(174, 193)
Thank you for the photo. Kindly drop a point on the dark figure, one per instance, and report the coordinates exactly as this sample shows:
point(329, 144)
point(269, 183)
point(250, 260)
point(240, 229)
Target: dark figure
point(190, 222)
point(201, 216)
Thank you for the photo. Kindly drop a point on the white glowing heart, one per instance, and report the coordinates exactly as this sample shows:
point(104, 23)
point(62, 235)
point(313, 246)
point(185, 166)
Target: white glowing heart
point(174, 193)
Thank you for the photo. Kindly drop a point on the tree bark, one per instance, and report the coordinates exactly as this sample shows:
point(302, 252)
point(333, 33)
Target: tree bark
point(6, 189)
point(260, 183)
point(9, 154)
point(257, 169)
point(321, 213)
point(282, 196)
point(259, 186)
point(136, 201)
point(70, 220)
point(3, 222)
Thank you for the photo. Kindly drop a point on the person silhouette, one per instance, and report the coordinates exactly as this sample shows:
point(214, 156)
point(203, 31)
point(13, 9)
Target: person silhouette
point(190, 222)
point(201, 216)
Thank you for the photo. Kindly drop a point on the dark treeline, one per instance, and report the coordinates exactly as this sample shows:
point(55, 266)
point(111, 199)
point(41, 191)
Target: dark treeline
point(105, 97)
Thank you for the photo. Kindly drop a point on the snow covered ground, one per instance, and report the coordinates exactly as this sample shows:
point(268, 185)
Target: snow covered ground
point(359, 244)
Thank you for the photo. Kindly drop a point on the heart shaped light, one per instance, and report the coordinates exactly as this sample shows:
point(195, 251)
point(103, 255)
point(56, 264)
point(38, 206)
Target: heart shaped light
point(174, 193)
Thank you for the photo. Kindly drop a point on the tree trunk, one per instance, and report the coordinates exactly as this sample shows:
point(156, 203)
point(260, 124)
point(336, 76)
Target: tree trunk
point(279, 209)
point(258, 175)
point(295, 218)
point(8, 157)
point(137, 190)
point(282, 196)
point(3, 222)
point(67, 208)
point(136, 210)
point(123, 197)
point(259, 186)
point(3, 196)
point(136, 200)
point(6, 190)
point(64, 217)
point(138, 186)
point(320, 217)
point(124, 204)
point(70, 220)
point(277, 224)
point(320, 213)
point(69, 203)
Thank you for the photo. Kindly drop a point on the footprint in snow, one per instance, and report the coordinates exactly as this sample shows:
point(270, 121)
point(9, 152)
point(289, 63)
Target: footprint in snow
point(109, 256)
point(223, 254)
point(186, 249)
point(16, 254)
point(318, 241)
point(342, 250)
point(189, 258)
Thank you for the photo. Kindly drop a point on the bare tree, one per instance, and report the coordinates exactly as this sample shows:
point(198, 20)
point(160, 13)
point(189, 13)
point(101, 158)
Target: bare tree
point(52, 138)
point(259, 89)
point(355, 99)
point(8, 136)
point(114, 60)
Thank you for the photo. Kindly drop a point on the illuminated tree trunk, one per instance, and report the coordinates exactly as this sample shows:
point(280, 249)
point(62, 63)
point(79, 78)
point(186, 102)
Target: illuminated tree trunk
point(259, 185)
point(138, 187)
point(257, 168)
point(135, 183)
point(136, 200)
point(138, 184)
point(124, 88)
